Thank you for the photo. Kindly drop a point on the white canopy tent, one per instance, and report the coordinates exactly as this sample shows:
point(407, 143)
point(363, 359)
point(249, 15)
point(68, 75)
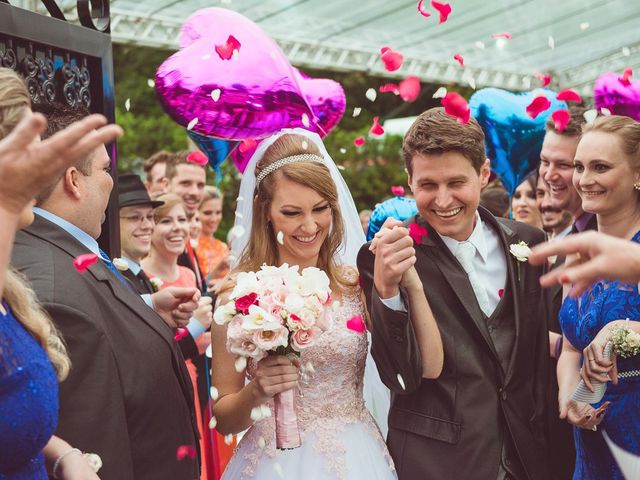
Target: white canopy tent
point(573, 40)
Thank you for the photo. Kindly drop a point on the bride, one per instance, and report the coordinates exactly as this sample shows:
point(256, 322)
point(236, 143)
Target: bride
point(295, 208)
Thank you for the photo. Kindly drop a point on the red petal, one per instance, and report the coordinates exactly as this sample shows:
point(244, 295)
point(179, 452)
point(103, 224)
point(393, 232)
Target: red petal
point(358, 142)
point(455, 105)
point(506, 35)
point(180, 334)
point(197, 157)
point(392, 59)
point(501, 292)
point(376, 128)
point(246, 145)
point(417, 232)
point(444, 9)
point(83, 262)
point(389, 87)
point(356, 324)
point(409, 88)
point(544, 78)
point(537, 106)
point(421, 9)
point(459, 58)
point(625, 78)
point(569, 95)
point(561, 119)
point(226, 50)
point(185, 451)
point(397, 190)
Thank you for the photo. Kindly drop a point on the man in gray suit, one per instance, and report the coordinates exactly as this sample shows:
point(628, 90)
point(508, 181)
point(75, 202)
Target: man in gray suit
point(128, 397)
point(483, 417)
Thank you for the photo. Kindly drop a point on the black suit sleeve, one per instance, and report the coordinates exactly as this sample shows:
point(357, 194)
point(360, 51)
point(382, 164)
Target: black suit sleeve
point(188, 347)
point(394, 346)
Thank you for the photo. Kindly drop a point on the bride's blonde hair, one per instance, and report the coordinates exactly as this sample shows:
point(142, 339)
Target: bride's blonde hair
point(14, 102)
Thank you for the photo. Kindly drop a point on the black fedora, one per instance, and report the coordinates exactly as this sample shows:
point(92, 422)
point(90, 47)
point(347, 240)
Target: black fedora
point(131, 192)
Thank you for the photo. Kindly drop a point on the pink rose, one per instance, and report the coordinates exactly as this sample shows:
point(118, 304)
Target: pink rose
point(245, 347)
point(271, 339)
point(301, 339)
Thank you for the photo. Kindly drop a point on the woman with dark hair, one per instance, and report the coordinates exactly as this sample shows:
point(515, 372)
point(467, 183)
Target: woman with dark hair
point(523, 203)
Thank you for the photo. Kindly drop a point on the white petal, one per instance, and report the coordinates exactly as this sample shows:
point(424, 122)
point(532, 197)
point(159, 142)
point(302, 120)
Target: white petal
point(305, 144)
point(280, 237)
point(401, 381)
point(228, 439)
point(256, 414)
point(551, 42)
point(625, 51)
point(213, 391)
point(127, 104)
point(371, 94)
point(584, 25)
point(215, 95)
point(343, 151)
point(305, 120)
point(261, 442)
point(151, 83)
point(265, 411)
point(192, 123)
point(241, 364)
point(471, 82)
point(440, 93)
point(212, 423)
point(209, 351)
point(480, 44)
point(605, 111)
point(356, 111)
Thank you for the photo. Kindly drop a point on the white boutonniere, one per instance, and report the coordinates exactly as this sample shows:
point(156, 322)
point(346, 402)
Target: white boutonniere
point(156, 283)
point(121, 264)
point(521, 251)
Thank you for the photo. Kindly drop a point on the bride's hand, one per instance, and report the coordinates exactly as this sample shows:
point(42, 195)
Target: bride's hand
point(410, 279)
point(275, 374)
point(594, 365)
point(582, 414)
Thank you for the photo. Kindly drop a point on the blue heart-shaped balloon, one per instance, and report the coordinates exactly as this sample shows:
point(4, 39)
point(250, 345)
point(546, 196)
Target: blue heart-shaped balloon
point(513, 139)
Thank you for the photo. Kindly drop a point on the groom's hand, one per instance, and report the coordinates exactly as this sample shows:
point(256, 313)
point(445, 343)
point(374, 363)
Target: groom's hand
point(394, 256)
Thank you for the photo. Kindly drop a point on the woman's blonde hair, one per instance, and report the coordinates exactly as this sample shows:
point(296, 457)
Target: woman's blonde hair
point(170, 200)
point(261, 247)
point(14, 102)
point(210, 193)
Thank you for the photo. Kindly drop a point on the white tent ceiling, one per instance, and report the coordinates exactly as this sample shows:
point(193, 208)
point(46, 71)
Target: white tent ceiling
point(574, 40)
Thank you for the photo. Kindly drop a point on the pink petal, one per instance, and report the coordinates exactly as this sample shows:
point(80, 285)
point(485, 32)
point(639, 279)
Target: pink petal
point(392, 59)
point(417, 232)
point(501, 292)
point(83, 262)
point(358, 142)
point(180, 334)
point(185, 451)
point(422, 11)
point(389, 87)
point(409, 88)
point(506, 35)
point(197, 157)
point(444, 9)
point(544, 79)
point(376, 128)
point(537, 106)
point(569, 95)
point(397, 190)
point(625, 78)
point(459, 58)
point(561, 119)
point(226, 50)
point(455, 105)
point(356, 324)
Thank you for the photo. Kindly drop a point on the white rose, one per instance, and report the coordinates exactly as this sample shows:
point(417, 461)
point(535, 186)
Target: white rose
point(259, 319)
point(121, 264)
point(224, 313)
point(315, 282)
point(294, 302)
point(246, 282)
point(520, 250)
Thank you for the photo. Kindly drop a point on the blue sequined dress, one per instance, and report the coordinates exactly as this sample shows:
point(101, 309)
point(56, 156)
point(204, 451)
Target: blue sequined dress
point(581, 319)
point(28, 402)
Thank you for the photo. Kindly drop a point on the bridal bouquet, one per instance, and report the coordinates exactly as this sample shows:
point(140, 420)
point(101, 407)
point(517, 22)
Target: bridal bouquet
point(277, 311)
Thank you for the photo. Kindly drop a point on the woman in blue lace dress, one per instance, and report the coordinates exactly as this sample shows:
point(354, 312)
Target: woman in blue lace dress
point(607, 176)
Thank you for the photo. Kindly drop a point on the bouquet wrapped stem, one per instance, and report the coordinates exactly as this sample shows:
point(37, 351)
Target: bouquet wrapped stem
point(287, 431)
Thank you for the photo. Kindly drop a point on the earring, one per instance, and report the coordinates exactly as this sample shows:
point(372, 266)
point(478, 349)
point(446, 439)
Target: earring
point(636, 185)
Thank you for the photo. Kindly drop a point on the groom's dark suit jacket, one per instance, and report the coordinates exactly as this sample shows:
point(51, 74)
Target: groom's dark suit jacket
point(128, 396)
point(458, 425)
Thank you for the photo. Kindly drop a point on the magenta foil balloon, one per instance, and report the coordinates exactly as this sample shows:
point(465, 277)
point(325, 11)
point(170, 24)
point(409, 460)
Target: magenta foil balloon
point(251, 95)
point(611, 92)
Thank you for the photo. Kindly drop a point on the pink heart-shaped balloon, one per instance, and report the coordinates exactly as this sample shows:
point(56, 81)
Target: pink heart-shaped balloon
point(621, 99)
point(250, 95)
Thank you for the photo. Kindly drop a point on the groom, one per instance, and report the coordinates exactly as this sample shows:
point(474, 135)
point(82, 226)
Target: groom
point(483, 417)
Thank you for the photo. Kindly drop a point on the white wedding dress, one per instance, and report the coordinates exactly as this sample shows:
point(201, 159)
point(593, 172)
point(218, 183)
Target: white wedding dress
point(340, 439)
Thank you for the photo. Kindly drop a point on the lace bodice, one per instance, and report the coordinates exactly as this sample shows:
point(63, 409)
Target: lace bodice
point(331, 398)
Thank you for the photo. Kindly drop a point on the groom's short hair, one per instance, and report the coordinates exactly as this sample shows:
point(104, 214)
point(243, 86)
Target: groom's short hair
point(435, 132)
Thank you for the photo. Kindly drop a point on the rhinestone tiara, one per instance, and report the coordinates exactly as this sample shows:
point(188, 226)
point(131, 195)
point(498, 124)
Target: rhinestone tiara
point(272, 167)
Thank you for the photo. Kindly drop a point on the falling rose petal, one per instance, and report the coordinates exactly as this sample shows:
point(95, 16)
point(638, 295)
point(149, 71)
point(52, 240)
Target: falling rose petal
point(215, 94)
point(228, 439)
point(605, 111)
point(561, 119)
point(569, 95)
point(305, 120)
point(197, 157)
point(83, 262)
point(397, 190)
point(544, 78)
point(280, 237)
point(213, 392)
point(209, 351)
point(401, 381)
point(127, 104)
point(626, 51)
point(343, 150)
point(537, 106)
point(392, 60)
point(255, 414)
point(341, 167)
point(417, 233)
point(479, 44)
point(305, 144)
point(246, 145)
point(505, 35)
point(226, 51)
point(501, 292)
point(180, 334)
point(192, 123)
point(240, 364)
point(212, 423)
point(151, 83)
point(455, 105)
point(551, 42)
point(444, 9)
point(409, 88)
point(590, 115)
point(185, 451)
point(356, 324)
point(584, 25)
point(389, 87)
point(357, 110)
point(265, 411)
point(625, 79)
point(440, 93)
point(358, 142)
point(421, 9)
point(459, 58)
point(376, 129)
point(262, 442)
point(371, 95)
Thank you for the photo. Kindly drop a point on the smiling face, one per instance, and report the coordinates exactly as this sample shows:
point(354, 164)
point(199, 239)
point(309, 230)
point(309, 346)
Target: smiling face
point(211, 216)
point(171, 231)
point(604, 176)
point(553, 219)
point(189, 183)
point(447, 188)
point(523, 205)
point(556, 167)
point(136, 228)
point(304, 218)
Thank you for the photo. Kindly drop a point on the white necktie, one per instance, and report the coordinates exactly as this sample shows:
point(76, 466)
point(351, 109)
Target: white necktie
point(465, 253)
